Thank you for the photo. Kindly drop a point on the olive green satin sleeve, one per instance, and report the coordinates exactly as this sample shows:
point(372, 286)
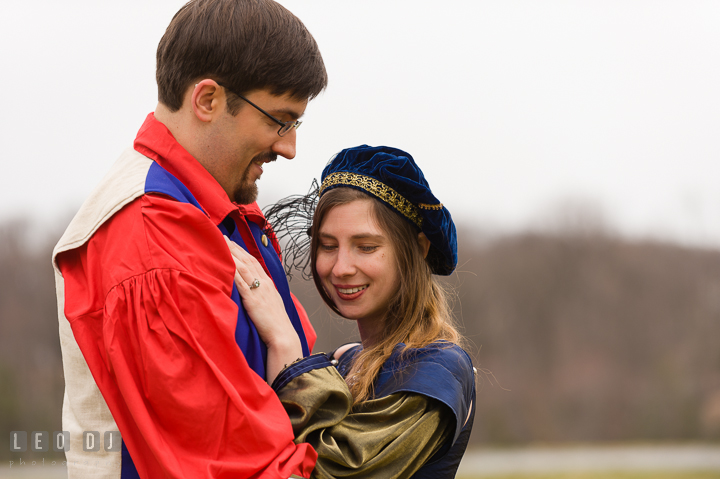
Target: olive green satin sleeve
point(389, 437)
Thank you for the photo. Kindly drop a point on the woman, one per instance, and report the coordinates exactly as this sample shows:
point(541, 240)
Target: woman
point(401, 403)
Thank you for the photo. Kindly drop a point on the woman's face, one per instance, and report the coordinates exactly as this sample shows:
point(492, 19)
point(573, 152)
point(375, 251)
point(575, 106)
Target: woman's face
point(356, 263)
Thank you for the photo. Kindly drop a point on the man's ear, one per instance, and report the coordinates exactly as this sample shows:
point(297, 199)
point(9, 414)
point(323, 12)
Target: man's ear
point(206, 99)
point(424, 244)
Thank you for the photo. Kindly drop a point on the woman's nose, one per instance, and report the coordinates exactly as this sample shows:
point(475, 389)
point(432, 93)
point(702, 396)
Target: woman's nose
point(344, 264)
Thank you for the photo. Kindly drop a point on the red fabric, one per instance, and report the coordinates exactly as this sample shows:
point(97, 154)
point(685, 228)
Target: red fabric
point(148, 299)
point(310, 334)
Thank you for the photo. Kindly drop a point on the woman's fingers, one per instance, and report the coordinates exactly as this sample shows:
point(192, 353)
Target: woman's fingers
point(242, 270)
point(242, 273)
point(246, 266)
point(240, 282)
point(263, 304)
point(235, 249)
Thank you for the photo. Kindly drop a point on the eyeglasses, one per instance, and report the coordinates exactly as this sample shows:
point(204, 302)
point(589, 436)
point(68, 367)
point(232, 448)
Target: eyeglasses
point(285, 126)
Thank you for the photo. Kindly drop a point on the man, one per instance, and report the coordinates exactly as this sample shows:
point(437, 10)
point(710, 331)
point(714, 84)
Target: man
point(155, 340)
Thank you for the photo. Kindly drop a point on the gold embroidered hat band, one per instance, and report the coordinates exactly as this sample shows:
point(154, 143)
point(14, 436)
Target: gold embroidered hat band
point(375, 188)
point(388, 174)
point(392, 176)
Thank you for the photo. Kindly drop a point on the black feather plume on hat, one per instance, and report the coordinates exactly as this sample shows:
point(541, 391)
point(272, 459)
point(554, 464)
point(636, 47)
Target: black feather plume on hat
point(289, 220)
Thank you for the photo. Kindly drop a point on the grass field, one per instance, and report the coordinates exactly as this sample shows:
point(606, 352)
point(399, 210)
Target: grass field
point(610, 461)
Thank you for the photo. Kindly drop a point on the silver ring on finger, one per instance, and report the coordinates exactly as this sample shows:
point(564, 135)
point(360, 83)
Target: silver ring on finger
point(255, 284)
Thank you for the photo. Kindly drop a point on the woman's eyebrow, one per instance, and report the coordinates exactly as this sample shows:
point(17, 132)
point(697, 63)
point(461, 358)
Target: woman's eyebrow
point(355, 236)
point(368, 236)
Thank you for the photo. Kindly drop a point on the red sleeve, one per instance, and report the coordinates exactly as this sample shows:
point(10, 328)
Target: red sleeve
point(310, 334)
point(162, 349)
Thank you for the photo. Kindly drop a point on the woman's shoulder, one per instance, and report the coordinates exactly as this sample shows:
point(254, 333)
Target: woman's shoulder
point(441, 370)
point(441, 365)
point(340, 351)
point(444, 354)
point(343, 357)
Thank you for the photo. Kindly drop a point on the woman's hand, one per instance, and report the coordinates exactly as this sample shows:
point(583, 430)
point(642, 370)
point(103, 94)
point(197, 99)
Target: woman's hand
point(266, 309)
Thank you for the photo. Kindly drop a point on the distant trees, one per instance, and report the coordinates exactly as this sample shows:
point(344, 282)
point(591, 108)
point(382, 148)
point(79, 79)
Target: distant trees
point(590, 337)
point(583, 336)
point(31, 381)
point(596, 338)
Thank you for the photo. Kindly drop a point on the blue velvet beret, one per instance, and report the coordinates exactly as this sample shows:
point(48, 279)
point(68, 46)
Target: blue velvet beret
point(392, 176)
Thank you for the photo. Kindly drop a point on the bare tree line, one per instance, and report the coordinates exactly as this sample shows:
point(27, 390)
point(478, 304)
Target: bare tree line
point(579, 336)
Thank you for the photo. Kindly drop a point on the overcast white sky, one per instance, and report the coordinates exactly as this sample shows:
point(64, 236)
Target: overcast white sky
point(510, 107)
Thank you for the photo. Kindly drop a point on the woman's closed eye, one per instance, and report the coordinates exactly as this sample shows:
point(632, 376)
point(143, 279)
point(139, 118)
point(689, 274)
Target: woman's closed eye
point(368, 248)
point(328, 246)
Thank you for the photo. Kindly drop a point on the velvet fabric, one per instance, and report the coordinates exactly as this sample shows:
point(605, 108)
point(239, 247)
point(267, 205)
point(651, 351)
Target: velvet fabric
point(388, 437)
point(416, 426)
point(440, 371)
point(392, 176)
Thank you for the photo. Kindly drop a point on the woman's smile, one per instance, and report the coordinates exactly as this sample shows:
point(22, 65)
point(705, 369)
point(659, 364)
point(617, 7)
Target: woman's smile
point(350, 293)
point(356, 262)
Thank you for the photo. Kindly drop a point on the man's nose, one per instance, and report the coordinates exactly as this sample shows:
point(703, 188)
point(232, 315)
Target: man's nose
point(285, 145)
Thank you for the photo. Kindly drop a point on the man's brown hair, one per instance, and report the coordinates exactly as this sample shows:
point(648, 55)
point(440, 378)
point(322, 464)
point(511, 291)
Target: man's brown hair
point(245, 44)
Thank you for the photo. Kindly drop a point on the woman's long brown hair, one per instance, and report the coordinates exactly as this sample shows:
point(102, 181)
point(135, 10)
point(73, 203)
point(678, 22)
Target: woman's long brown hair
point(420, 313)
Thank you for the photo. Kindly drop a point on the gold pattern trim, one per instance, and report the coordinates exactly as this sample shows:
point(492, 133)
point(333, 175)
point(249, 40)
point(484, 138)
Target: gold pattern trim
point(378, 189)
point(430, 207)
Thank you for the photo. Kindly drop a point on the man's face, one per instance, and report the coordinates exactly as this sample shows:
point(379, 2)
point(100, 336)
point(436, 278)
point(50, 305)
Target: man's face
point(240, 145)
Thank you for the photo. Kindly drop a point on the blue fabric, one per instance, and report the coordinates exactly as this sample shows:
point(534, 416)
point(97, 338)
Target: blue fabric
point(396, 169)
point(246, 334)
point(159, 180)
point(446, 465)
point(277, 273)
point(127, 467)
point(307, 364)
point(442, 371)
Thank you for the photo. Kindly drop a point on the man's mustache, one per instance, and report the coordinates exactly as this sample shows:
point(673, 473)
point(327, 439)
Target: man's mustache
point(265, 157)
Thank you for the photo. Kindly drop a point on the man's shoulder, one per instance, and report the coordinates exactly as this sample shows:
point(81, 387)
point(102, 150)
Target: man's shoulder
point(153, 236)
point(124, 183)
point(141, 218)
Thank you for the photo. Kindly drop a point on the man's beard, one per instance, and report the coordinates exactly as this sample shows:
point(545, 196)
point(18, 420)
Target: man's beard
point(247, 192)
